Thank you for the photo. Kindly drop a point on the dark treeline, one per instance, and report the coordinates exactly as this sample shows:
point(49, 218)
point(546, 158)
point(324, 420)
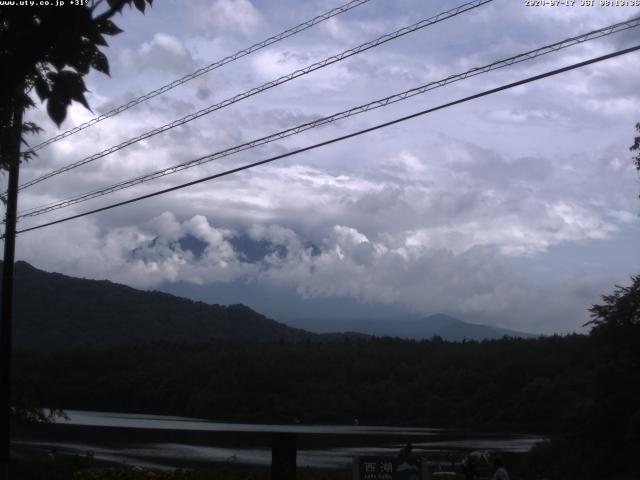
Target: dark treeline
point(582, 389)
point(515, 384)
point(599, 436)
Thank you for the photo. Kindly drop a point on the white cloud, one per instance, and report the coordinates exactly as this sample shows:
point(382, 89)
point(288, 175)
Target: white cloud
point(396, 269)
point(163, 52)
point(227, 16)
point(438, 213)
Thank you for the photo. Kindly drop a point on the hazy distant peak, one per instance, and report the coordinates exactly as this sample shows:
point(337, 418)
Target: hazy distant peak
point(442, 325)
point(157, 248)
point(192, 244)
point(440, 320)
point(252, 251)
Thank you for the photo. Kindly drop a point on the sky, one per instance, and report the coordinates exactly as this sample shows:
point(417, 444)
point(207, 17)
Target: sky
point(519, 209)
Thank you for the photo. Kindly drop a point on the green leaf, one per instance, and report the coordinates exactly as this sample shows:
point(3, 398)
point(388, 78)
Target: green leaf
point(92, 32)
point(57, 110)
point(82, 61)
point(140, 5)
point(109, 28)
point(27, 102)
point(117, 4)
point(31, 127)
point(67, 86)
point(56, 62)
point(100, 62)
point(80, 98)
point(42, 87)
point(65, 82)
point(99, 40)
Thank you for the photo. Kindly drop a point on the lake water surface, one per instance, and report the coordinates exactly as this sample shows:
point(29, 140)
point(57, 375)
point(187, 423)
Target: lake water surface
point(171, 442)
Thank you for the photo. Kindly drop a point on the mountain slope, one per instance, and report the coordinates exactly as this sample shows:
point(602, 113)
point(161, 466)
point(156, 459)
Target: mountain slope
point(54, 311)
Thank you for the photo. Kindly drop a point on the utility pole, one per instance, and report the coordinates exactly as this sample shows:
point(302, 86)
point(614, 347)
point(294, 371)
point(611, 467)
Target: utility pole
point(284, 448)
point(12, 151)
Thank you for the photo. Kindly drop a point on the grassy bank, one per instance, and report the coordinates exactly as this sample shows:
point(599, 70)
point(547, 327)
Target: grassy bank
point(23, 470)
point(78, 468)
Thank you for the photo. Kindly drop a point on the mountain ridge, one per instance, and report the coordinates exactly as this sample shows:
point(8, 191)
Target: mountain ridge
point(437, 325)
point(102, 314)
point(53, 311)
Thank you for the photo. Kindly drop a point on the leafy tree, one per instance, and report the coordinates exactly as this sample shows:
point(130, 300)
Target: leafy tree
point(49, 50)
point(377, 380)
point(600, 436)
point(636, 148)
point(620, 311)
point(614, 415)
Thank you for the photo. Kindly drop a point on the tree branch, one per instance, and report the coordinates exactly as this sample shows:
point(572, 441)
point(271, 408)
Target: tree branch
point(116, 7)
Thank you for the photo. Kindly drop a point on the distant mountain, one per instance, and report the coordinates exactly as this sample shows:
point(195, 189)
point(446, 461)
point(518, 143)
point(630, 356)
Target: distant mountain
point(444, 326)
point(248, 249)
point(55, 311)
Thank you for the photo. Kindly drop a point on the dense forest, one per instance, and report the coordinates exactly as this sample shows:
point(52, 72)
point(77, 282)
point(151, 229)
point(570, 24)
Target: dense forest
point(599, 436)
point(231, 363)
point(583, 390)
point(499, 384)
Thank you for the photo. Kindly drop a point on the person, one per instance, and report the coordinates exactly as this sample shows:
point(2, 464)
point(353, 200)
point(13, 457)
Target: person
point(471, 463)
point(501, 471)
point(405, 467)
point(405, 453)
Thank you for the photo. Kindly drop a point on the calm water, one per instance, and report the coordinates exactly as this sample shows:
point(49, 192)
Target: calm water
point(168, 442)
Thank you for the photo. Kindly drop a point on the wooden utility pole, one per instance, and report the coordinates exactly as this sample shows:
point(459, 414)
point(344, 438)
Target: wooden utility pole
point(283, 456)
point(11, 149)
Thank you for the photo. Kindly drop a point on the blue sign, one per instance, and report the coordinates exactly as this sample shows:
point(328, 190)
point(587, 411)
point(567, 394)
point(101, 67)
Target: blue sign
point(387, 468)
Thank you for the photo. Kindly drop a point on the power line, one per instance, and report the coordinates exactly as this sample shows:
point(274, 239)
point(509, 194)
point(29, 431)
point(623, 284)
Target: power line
point(618, 27)
point(339, 139)
point(201, 71)
point(283, 79)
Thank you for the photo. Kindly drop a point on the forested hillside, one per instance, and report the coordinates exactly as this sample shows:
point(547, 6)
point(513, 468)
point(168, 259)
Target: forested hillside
point(501, 384)
point(54, 311)
point(230, 363)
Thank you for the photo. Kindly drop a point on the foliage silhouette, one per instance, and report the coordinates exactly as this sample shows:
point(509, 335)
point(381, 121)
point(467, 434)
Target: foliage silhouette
point(49, 50)
point(636, 148)
point(512, 384)
point(600, 435)
point(54, 312)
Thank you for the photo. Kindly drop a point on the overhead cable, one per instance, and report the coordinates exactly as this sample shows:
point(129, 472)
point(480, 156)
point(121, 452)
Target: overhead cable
point(279, 81)
point(618, 27)
point(338, 139)
point(201, 71)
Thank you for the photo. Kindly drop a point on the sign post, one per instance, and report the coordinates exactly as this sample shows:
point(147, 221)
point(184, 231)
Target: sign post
point(390, 468)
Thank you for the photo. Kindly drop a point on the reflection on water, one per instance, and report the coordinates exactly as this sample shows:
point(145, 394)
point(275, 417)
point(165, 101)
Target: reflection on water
point(168, 454)
point(131, 420)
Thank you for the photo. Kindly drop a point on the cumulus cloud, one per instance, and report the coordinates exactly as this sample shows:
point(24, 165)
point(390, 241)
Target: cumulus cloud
point(459, 211)
point(227, 16)
point(163, 52)
point(477, 282)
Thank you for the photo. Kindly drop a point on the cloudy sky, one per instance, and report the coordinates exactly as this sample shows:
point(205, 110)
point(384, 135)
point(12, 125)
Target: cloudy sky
point(519, 209)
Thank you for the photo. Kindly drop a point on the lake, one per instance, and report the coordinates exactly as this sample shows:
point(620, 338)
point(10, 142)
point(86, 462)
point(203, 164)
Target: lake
point(172, 442)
